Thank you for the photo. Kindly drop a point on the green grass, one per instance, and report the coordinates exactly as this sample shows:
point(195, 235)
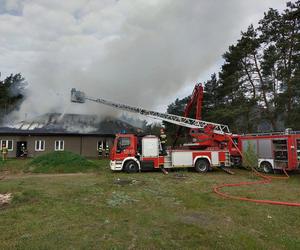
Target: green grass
point(106, 210)
point(60, 162)
point(12, 166)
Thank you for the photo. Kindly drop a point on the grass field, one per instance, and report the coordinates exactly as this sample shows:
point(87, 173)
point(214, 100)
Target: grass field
point(105, 210)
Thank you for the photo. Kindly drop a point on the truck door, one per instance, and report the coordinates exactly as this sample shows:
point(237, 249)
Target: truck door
point(124, 148)
point(265, 149)
point(293, 153)
point(281, 153)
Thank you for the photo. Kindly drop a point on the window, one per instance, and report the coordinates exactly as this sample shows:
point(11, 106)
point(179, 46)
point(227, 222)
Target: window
point(9, 144)
point(39, 145)
point(123, 143)
point(59, 145)
point(101, 144)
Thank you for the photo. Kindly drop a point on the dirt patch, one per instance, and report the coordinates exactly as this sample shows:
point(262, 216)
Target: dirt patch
point(179, 176)
point(198, 219)
point(204, 219)
point(5, 199)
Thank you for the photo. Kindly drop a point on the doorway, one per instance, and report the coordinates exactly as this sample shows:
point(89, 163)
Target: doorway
point(21, 149)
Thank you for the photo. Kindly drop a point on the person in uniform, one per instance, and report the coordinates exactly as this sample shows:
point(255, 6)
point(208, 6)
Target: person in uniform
point(163, 140)
point(4, 152)
point(107, 150)
point(139, 136)
point(23, 150)
point(100, 151)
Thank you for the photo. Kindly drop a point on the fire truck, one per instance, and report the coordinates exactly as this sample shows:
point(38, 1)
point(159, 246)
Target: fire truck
point(274, 151)
point(213, 145)
point(132, 154)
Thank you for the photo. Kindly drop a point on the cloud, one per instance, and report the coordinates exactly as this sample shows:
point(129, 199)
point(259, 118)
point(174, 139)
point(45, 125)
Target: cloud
point(136, 52)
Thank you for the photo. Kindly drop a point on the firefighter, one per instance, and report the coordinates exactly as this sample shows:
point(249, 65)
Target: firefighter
point(4, 152)
point(23, 150)
point(139, 135)
point(107, 150)
point(163, 140)
point(100, 151)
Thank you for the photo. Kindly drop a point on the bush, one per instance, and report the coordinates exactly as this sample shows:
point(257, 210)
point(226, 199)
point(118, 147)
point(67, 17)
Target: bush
point(60, 162)
point(250, 159)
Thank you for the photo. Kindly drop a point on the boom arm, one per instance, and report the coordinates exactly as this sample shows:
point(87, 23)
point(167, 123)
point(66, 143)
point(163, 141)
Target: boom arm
point(79, 97)
point(196, 98)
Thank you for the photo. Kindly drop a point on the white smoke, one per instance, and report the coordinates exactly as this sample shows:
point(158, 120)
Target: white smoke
point(136, 52)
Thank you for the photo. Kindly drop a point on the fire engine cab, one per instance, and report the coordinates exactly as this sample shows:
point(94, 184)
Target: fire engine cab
point(133, 154)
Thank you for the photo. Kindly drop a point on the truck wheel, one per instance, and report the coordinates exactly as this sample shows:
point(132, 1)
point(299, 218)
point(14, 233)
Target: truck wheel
point(202, 166)
point(131, 167)
point(266, 167)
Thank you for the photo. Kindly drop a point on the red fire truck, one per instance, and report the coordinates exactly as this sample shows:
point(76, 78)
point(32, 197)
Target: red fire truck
point(274, 151)
point(133, 154)
point(212, 144)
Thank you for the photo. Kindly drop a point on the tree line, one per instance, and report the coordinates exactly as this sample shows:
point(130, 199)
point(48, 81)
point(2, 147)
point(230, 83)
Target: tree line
point(258, 86)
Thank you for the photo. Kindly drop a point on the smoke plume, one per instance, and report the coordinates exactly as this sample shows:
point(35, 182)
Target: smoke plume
point(137, 52)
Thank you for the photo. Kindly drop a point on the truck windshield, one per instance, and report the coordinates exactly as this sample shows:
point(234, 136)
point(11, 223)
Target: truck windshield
point(123, 143)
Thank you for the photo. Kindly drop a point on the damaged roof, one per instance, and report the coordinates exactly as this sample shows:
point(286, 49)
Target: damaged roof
point(69, 124)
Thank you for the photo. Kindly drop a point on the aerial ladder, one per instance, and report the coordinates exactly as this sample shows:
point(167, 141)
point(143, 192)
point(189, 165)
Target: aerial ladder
point(218, 129)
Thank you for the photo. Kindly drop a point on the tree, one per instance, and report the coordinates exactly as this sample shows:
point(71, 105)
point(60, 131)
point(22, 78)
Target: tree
point(261, 72)
point(258, 86)
point(280, 37)
point(11, 93)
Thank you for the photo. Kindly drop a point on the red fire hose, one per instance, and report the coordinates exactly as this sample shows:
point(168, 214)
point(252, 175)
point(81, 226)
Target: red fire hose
point(266, 180)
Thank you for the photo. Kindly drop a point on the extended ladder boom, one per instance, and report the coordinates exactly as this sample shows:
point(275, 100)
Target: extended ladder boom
point(79, 97)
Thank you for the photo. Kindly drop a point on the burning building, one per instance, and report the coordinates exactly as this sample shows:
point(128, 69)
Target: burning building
point(80, 134)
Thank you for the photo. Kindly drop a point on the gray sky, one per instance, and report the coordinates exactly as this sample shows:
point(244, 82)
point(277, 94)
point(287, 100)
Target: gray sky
point(141, 52)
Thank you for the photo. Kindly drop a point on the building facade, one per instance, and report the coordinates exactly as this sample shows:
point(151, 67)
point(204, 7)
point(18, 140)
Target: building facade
point(80, 134)
point(36, 144)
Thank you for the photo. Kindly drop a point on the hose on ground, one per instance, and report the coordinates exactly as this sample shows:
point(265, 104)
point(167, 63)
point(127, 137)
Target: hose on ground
point(266, 179)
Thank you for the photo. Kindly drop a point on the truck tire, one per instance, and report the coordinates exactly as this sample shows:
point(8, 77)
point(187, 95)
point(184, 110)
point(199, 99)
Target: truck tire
point(266, 167)
point(202, 166)
point(131, 167)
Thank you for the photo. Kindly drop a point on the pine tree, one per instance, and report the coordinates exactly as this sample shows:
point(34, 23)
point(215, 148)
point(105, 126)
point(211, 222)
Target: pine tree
point(258, 86)
point(11, 93)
